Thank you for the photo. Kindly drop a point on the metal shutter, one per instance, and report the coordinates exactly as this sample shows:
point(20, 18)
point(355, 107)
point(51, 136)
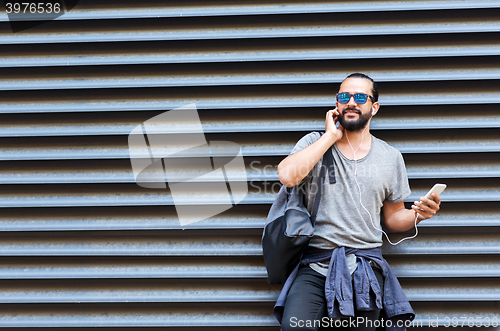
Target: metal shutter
point(82, 246)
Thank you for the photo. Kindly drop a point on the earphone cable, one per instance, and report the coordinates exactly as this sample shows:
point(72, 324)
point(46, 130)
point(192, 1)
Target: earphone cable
point(359, 189)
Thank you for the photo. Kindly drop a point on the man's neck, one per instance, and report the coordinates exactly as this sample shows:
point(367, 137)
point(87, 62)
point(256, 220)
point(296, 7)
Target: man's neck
point(357, 141)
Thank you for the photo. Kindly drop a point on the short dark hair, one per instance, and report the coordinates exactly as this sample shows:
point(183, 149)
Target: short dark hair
point(374, 85)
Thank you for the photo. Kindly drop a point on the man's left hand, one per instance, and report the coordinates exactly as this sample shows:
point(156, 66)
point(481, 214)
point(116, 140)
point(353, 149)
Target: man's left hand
point(426, 208)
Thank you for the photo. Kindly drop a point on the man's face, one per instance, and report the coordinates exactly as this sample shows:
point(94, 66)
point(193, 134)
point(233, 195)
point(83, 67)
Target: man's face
point(354, 116)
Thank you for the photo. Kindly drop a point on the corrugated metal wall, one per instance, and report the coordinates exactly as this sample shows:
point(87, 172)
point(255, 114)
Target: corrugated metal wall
point(83, 246)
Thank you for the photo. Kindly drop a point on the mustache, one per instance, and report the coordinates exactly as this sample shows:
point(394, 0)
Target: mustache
point(352, 110)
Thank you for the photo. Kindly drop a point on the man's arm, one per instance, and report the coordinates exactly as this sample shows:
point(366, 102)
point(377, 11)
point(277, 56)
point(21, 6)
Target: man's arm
point(295, 167)
point(399, 219)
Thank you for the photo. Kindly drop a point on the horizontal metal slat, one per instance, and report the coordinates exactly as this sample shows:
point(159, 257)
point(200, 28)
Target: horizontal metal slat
point(440, 314)
point(263, 72)
point(423, 244)
point(251, 126)
point(437, 244)
point(143, 268)
point(444, 290)
point(138, 291)
point(99, 316)
point(89, 224)
point(453, 172)
point(234, 55)
point(212, 33)
point(465, 221)
point(146, 246)
point(424, 267)
point(480, 268)
point(212, 319)
point(84, 176)
point(243, 103)
point(117, 224)
point(234, 121)
point(219, 80)
point(255, 175)
point(95, 315)
point(257, 26)
point(271, 144)
point(257, 169)
point(434, 123)
point(82, 12)
point(244, 217)
point(151, 290)
point(240, 217)
point(206, 195)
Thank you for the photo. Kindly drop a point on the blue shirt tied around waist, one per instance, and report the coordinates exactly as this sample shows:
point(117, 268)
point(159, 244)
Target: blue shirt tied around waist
point(339, 286)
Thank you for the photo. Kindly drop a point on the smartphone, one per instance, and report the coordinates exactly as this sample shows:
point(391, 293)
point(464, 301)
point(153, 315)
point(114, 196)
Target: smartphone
point(437, 188)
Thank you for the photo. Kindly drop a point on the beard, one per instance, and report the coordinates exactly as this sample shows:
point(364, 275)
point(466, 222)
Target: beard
point(354, 125)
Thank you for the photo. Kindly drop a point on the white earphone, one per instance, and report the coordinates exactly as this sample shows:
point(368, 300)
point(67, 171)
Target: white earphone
point(359, 188)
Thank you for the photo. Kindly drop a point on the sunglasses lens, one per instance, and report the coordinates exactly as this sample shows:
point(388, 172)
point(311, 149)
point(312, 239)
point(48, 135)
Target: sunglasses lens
point(360, 98)
point(343, 97)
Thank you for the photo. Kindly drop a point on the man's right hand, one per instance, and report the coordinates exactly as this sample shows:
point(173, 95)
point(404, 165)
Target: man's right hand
point(295, 167)
point(331, 127)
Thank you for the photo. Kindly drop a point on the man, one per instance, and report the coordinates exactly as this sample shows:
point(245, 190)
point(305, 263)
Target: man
point(370, 179)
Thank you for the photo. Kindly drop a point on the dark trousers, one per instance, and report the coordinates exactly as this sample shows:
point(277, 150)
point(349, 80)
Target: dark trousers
point(305, 307)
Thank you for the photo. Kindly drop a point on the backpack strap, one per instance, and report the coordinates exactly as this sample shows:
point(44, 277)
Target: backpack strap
point(328, 157)
point(329, 165)
point(326, 166)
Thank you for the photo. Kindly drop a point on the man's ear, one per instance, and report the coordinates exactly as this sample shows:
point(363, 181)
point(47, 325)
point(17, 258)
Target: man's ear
point(375, 108)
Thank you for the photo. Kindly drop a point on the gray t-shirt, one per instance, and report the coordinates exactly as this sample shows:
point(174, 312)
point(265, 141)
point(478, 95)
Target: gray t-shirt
point(341, 219)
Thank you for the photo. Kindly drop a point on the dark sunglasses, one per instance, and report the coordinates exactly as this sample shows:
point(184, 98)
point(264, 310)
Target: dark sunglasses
point(359, 98)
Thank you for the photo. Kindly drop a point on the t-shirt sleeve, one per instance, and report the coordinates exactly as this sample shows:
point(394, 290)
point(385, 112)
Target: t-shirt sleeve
point(400, 188)
point(305, 141)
